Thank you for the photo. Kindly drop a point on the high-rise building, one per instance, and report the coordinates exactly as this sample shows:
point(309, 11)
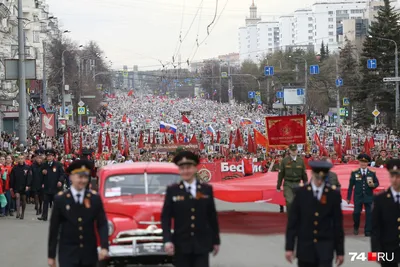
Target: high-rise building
point(253, 19)
point(286, 31)
point(267, 37)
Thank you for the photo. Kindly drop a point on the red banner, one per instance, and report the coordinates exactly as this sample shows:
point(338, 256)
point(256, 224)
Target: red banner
point(223, 171)
point(49, 124)
point(286, 130)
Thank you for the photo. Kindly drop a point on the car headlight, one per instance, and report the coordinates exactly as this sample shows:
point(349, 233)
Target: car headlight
point(110, 228)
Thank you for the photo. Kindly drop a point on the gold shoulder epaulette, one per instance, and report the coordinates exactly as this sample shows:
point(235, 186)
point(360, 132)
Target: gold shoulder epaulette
point(93, 192)
point(60, 193)
point(371, 170)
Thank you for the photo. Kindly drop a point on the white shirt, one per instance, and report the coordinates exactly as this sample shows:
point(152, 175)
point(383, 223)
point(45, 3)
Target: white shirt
point(394, 193)
point(315, 188)
point(363, 171)
point(75, 193)
point(192, 187)
point(294, 158)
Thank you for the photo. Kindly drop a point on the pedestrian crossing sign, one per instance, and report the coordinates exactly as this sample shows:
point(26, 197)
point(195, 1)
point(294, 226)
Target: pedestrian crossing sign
point(81, 111)
point(346, 101)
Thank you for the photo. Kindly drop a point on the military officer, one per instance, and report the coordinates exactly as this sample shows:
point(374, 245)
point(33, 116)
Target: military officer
point(292, 170)
point(316, 222)
point(332, 177)
point(385, 236)
point(364, 181)
point(53, 179)
point(382, 159)
point(78, 216)
point(191, 204)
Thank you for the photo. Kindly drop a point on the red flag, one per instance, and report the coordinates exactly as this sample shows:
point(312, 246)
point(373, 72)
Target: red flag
point(238, 139)
point(194, 140)
point(130, 92)
point(201, 146)
point(154, 139)
point(185, 119)
point(229, 121)
point(175, 139)
point(230, 139)
point(148, 138)
point(109, 115)
point(260, 139)
point(181, 138)
point(141, 143)
point(124, 118)
point(347, 145)
point(66, 147)
point(250, 144)
point(367, 149)
point(80, 143)
point(165, 139)
point(69, 139)
point(100, 144)
point(119, 142)
point(108, 141)
point(371, 142)
point(218, 137)
point(126, 152)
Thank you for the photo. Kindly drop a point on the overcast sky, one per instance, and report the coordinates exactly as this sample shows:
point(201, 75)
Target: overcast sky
point(142, 32)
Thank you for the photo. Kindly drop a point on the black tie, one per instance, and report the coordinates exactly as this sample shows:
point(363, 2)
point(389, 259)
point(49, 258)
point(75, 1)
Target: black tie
point(316, 194)
point(398, 198)
point(188, 190)
point(78, 198)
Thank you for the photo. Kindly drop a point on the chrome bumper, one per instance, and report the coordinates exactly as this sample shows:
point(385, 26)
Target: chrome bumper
point(136, 249)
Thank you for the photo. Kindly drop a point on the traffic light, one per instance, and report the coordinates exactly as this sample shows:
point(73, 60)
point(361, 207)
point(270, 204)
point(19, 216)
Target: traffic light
point(87, 111)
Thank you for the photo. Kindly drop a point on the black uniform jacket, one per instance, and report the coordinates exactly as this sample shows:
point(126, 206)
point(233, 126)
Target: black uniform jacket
point(316, 224)
point(37, 177)
point(196, 228)
point(73, 226)
point(55, 174)
point(20, 178)
point(385, 235)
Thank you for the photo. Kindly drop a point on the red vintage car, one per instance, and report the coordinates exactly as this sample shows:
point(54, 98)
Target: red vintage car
point(133, 196)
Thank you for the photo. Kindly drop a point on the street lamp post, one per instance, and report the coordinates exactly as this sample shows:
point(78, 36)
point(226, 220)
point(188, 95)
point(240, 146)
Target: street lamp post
point(305, 83)
point(23, 114)
point(63, 84)
point(396, 73)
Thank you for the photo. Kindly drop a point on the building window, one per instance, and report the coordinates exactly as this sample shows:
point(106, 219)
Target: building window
point(331, 40)
point(310, 19)
point(330, 12)
point(310, 31)
point(310, 25)
point(36, 37)
point(330, 19)
point(269, 29)
point(269, 44)
point(269, 49)
point(270, 34)
point(270, 39)
point(330, 26)
point(310, 37)
point(330, 33)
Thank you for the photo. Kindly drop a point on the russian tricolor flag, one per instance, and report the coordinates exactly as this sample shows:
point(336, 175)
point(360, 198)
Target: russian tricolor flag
point(167, 128)
point(210, 130)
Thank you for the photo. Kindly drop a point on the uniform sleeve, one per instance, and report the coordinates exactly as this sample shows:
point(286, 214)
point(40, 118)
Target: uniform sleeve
point(351, 185)
point(293, 219)
point(281, 174)
point(304, 174)
point(376, 226)
point(62, 174)
point(213, 217)
point(54, 228)
point(12, 179)
point(166, 216)
point(102, 225)
point(376, 181)
point(338, 224)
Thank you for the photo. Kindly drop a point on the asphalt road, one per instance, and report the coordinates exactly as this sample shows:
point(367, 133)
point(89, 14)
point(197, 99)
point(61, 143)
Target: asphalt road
point(23, 243)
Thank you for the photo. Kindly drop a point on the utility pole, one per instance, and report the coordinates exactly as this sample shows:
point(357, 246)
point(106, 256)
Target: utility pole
point(396, 70)
point(230, 91)
point(63, 84)
point(212, 79)
point(268, 94)
point(80, 89)
point(305, 86)
point(220, 82)
point(337, 96)
point(44, 81)
point(23, 115)
point(375, 117)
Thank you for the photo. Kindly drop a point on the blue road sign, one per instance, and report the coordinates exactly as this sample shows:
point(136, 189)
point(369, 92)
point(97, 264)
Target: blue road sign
point(339, 82)
point(279, 94)
point(252, 94)
point(66, 110)
point(346, 101)
point(268, 70)
point(372, 64)
point(314, 69)
point(300, 91)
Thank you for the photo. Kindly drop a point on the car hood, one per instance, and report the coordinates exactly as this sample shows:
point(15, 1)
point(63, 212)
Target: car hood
point(142, 208)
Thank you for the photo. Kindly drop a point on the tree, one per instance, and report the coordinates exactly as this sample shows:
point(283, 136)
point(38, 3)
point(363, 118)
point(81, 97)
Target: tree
point(327, 50)
point(372, 91)
point(322, 52)
point(348, 71)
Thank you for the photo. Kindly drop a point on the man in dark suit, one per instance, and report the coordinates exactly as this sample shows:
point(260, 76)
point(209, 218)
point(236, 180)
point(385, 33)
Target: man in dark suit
point(364, 182)
point(78, 216)
point(191, 204)
point(385, 236)
point(316, 221)
point(53, 179)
